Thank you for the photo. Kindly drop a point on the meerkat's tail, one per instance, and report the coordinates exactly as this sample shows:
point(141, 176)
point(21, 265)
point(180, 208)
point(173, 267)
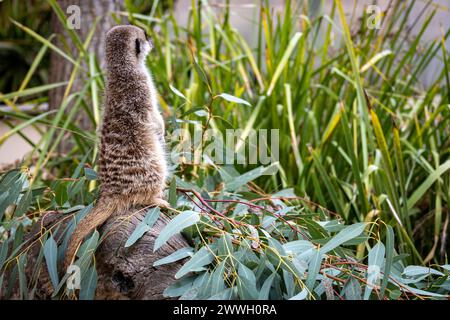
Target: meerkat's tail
point(96, 217)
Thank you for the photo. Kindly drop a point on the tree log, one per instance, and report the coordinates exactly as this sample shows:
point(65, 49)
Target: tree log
point(128, 273)
point(123, 273)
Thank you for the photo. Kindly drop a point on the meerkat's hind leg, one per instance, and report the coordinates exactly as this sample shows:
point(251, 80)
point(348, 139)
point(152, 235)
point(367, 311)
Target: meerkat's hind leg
point(160, 202)
point(155, 200)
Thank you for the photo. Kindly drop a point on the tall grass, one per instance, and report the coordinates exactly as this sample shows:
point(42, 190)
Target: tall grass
point(359, 134)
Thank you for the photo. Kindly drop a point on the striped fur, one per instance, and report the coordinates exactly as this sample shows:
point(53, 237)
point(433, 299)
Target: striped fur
point(132, 162)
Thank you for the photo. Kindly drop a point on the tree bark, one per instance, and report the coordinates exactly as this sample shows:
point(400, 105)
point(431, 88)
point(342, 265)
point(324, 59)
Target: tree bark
point(123, 273)
point(60, 68)
point(128, 273)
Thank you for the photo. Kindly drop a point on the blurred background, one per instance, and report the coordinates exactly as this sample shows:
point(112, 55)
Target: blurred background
point(18, 49)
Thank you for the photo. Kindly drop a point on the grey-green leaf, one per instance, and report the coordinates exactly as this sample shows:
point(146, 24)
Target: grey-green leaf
point(177, 255)
point(239, 181)
point(352, 289)
point(145, 225)
point(314, 268)
point(376, 261)
point(297, 246)
point(343, 236)
point(301, 295)
point(51, 254)
point(89, 284)
point(177, 92)
point(234, 99)
point(389, 258)
point(199, 259)
point(180, 222)
point(265, 288)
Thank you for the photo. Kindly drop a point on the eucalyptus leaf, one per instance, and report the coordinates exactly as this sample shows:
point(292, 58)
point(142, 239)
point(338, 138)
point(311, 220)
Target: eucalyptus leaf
point(376, 262)
point(177, 224)
point(302, 295)
point(176, 256)
point(199, 259)
point(150, 218)
point(233, 99)
point(88, 284)
point(51, 254)
point(343, 236)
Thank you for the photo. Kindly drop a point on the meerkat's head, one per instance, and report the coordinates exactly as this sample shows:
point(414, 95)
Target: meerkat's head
point(127, 44)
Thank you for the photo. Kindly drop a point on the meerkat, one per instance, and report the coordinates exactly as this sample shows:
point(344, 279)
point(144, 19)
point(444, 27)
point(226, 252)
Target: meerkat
point(132, 161)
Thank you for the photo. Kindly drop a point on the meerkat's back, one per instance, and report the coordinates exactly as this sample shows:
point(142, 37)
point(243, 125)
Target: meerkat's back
point(132, 163)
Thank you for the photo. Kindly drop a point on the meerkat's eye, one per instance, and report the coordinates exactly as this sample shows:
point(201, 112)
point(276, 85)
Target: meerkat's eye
point(138, 46)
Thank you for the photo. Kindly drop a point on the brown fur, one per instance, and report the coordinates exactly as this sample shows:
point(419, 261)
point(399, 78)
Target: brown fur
point(132, 163)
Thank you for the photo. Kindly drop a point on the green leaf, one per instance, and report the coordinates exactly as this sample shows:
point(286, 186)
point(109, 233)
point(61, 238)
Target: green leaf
point(226, 294)
point(389, 258)
point(24, 203)
point(179, 287)
point(265, 288)
point(22, 277)
point(88, 284)
point(86, 252)
point(140, 230)
point(289, 283)
point(375, 59)
point(224, 245)
point(180, 222)
point(216, 281)
point(3, 203)
point(51, 254)
point(201, 258)
point(413, 271)
point(90, 174)
point(145, 225)
point(2, 276)
point(284, 61)
point(61, 195)
point(173, 193)
point(423, 292)
point(177, 92)
point(376, 261)
point(302, 295)
point(298, 246)
point(422, 189)
point(395, 294)
point(202, 75)
point(10, 187)
point(314, 268)
point(3, 253)
point(246, 288)
point(233, 99)
point(237, 182)
point(32, 91)
point(177, 255)
point(352, 289)
point(243, 271)
point(343, 236)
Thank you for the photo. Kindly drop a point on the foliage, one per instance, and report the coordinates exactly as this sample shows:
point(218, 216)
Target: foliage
point(363, 147)
point(17, 49)
point(269, 247)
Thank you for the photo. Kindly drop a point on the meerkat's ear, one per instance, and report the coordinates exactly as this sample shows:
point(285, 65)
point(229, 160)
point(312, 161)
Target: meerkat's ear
point(138, 46)
point(150, 42)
